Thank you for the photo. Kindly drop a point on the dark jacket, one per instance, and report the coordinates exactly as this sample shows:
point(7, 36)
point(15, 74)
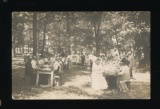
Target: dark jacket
point(28, 69)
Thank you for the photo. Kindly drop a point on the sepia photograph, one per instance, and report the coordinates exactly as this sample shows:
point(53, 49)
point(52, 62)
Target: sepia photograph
point(66, 55)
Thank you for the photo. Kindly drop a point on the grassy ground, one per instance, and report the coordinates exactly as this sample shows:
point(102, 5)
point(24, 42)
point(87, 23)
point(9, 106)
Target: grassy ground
point(76, 84)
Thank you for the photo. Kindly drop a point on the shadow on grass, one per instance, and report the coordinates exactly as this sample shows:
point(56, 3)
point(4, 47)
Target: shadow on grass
point(73, 90)
point(68, 75)
point(138, 92)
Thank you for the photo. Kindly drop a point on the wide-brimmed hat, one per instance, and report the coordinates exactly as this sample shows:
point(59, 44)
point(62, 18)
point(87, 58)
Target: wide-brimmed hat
point(125, 61)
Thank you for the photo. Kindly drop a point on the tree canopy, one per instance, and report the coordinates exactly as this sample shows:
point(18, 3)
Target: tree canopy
point(73, 31)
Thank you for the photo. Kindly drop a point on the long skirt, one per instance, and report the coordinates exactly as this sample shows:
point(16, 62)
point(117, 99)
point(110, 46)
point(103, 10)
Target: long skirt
point(98, 82)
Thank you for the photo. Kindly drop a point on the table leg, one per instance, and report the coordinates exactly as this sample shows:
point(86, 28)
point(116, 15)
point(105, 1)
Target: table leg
point(118, 84)
point(51, 79)
point(37, 79)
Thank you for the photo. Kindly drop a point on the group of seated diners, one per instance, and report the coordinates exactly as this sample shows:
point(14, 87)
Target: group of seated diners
point(58, 64)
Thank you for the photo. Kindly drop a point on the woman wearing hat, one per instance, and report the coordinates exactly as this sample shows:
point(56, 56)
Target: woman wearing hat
point(98, 80)
point(124, 75)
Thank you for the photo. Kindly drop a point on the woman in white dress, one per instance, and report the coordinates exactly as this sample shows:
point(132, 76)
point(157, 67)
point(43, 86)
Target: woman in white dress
point(98, 80)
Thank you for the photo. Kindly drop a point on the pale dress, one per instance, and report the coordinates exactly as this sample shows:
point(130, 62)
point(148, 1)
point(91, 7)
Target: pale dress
point(98, 80)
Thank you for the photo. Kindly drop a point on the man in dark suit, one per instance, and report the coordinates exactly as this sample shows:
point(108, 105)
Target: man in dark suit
point(28, 72)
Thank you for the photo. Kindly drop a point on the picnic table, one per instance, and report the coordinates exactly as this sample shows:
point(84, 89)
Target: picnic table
point(45, 70)
point(111, 76)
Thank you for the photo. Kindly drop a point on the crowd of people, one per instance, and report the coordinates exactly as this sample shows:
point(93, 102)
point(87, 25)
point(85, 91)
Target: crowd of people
point(99, 68)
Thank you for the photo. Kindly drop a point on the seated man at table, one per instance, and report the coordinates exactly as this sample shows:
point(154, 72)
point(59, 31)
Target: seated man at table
point(124, 75)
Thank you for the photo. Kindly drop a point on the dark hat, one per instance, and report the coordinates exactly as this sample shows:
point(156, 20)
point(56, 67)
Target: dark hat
point(125, 61)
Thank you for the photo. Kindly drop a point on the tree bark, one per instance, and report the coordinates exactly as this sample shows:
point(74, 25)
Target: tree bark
point(97, 33)
point(117, 46)
point(23, 48)
point(68, 32)
point(97, 50)
point(14, 46)
point(44, 35)
point(28, 48)
point(34, 34)
point(38, 42)
point(116, 38)
point(59, 44)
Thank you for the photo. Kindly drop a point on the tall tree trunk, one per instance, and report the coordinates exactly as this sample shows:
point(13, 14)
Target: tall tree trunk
point(37, 42)
point(97, 41)
point(28, 48)
point(68, 32)
point(14, 46)
point(117, 46)
point(30, 40)
point(96, 25)
point(97, 50)
point(59, 44)
point(34, 34)
point(23, 48)
point(44, 35)
point(20, 49)
point(116, 39)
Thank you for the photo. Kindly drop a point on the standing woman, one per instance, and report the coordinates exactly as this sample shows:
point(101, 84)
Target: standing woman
point(98, 80)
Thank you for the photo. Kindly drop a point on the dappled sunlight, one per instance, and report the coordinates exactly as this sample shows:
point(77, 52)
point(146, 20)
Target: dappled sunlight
point(142, 77)
point(76, 84)
point(53, 56)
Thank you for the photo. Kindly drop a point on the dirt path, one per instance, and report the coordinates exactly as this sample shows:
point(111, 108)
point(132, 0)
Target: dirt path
point(76, 84)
